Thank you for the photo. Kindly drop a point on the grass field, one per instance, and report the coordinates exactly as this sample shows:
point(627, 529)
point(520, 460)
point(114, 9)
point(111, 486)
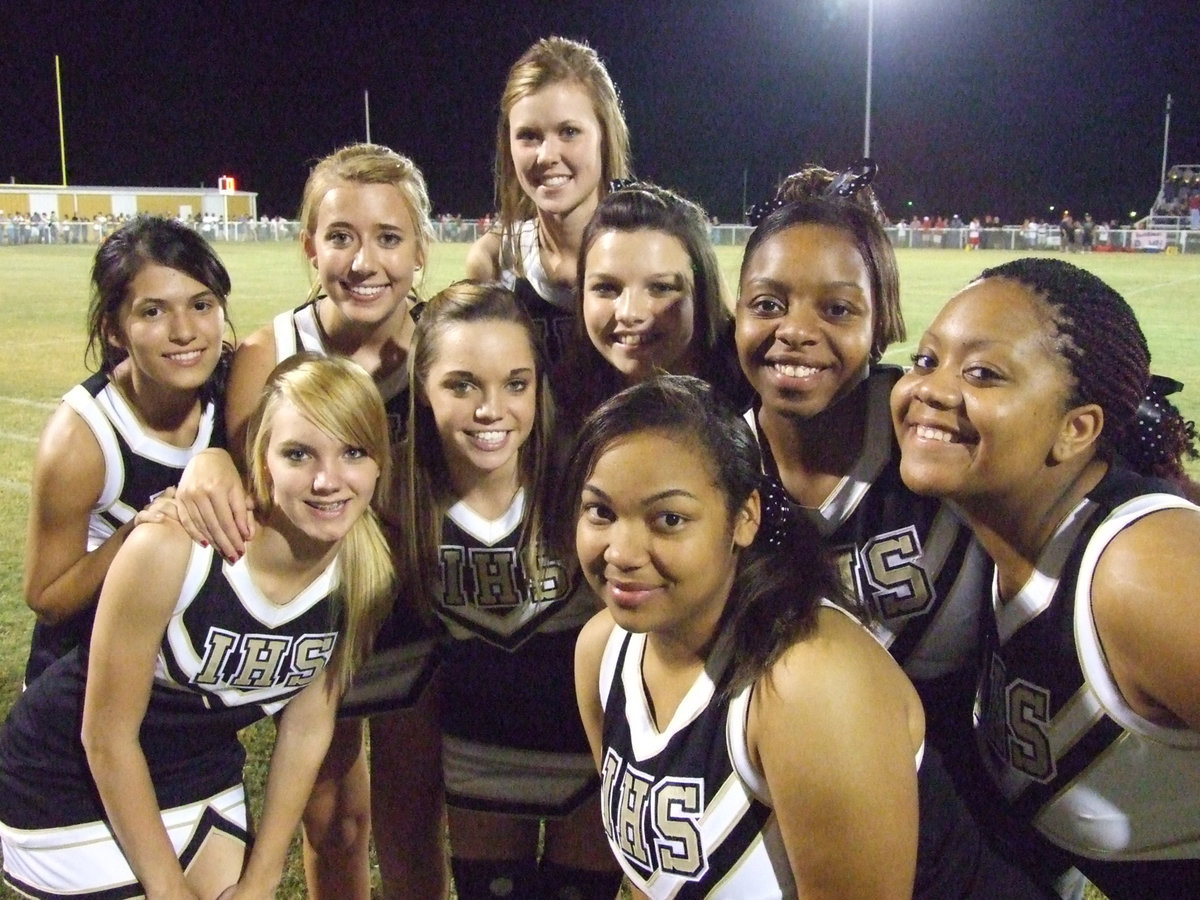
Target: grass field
point(43, 299)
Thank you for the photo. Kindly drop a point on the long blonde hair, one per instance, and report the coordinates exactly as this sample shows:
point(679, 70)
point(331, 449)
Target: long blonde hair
point(340, 398)
point(555, 60)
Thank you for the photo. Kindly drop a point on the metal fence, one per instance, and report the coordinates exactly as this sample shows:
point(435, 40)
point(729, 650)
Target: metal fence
point(27, 231)
point(1013, 238)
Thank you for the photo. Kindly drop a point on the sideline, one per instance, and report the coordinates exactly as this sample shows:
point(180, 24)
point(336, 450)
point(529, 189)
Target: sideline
point(36, 404)
point(1161, 286)
point(19, 487)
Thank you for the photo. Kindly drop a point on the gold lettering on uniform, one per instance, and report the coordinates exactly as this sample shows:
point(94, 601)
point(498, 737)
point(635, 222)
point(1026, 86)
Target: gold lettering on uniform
point(608, 783)
point(551, 581)
point(218, 644)
point(677, 806)
point(262, 657)
point(310, 654)
point(1029, 730)
point(453, 591)
point(892, 564)
point(495, 578)
point(632, 797)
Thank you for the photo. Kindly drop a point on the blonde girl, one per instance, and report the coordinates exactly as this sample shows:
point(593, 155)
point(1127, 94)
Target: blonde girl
point(366, 232)
point(150, 798)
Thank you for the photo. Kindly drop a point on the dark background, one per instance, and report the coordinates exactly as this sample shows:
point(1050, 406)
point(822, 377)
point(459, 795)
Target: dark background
point(1001, 107)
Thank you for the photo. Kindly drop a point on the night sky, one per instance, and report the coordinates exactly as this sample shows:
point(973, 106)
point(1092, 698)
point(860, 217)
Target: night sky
point(979, 106)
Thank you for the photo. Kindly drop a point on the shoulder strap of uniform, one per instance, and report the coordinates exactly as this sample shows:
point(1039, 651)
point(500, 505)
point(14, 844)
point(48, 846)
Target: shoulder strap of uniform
point(287, 341)
point(297, 330)
point(85, 405)
point(612, 662)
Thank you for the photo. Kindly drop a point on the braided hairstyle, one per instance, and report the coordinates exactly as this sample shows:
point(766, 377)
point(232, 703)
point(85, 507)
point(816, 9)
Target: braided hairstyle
point(1098, 336)
point(815, 181)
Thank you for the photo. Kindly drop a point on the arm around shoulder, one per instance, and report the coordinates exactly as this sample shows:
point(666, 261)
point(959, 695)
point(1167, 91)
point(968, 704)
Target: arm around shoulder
point(835, 727)
point(212, 500)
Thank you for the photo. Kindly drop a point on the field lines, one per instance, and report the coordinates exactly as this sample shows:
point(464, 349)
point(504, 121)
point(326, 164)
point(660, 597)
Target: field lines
point(1192, 281)
point(25, 401)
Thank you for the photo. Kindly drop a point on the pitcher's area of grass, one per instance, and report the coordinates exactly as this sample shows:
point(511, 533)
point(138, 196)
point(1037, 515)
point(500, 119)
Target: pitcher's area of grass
point(44, 296)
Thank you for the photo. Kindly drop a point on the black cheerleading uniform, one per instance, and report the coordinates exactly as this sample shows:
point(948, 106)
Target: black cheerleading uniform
point(680, 813)
point(512, 739)
point(228, 657)
point(909, 562)
point(404, 656)
point(918, 577)
point(550, 306)
point(685, 811)
point(137, 468)
point(1070, 774)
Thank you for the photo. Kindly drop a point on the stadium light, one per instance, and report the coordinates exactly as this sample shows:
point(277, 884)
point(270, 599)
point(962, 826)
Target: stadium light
point(870, 53)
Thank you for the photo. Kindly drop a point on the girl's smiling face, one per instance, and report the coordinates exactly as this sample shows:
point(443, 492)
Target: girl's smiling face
point(365, 248)
point(172, 327)
point(655, 536)
point(482, 390)
point(639, 302)
point(805, 320)
point(318, 483)
point(985, 405)
point(555, 141)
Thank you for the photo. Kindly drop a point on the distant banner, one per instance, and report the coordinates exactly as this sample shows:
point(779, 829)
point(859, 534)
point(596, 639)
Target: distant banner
point(1149, 240)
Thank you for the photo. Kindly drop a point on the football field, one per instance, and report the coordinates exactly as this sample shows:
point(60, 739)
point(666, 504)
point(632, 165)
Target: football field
point(44, 296)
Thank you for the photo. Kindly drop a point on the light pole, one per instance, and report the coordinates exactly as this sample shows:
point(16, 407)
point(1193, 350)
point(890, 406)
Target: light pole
point(870, 50)
point(1162, 181)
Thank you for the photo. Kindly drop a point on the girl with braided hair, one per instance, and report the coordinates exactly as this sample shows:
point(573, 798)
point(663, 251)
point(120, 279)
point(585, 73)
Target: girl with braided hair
point(1022, 409)
point(818, 304)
